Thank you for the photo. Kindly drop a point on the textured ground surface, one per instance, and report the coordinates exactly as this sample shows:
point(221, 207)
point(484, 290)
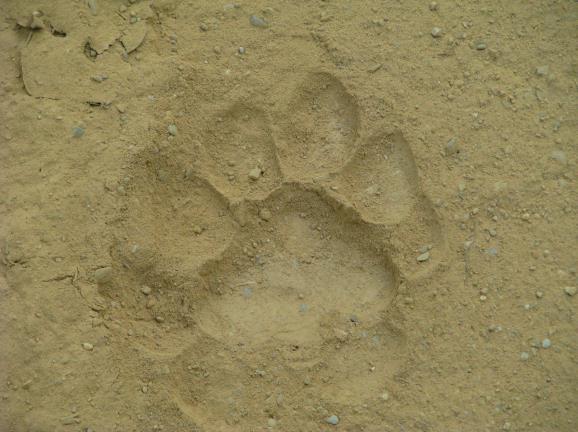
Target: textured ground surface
point(211, 222)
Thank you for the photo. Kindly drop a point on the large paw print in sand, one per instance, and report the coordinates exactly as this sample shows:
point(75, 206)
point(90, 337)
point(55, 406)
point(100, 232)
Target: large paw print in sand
point(272, 248)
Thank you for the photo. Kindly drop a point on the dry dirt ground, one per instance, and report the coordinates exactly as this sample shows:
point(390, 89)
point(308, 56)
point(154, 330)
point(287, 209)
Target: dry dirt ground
point(288, 216)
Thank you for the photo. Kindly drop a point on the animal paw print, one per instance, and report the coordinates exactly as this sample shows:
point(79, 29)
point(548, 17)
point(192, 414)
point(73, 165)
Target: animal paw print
point(272, 250)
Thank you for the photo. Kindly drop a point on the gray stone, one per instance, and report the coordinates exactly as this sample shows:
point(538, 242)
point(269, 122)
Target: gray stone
point(452, 147)
point(570, 291)
point(524, 356)
point(542, 70)
point(265, 214)
point(423, 257)
point(257, 22)
point(103, 275)
point(78, 131)
point(559, 156)
point(332, 420)
point(436, 32)
point(172, 129)
point(492, 251)
point(546, 343)
point(480, 45)
point(255, 173)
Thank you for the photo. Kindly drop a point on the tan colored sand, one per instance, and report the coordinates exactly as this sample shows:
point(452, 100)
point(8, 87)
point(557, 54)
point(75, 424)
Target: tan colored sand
point(211, 225)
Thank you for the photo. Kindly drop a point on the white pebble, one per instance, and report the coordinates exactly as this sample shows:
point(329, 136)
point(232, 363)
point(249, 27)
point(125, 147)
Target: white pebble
point(436, 32)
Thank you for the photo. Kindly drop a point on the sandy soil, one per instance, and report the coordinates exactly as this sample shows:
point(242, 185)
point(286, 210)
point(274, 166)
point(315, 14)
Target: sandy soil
point(288, 216)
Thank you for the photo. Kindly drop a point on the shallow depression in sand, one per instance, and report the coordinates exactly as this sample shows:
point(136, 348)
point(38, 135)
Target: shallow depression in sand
point(301, 285)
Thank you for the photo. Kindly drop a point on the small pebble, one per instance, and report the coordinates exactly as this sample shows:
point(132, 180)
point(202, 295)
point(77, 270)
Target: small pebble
point(559, 156)
point(524, 356)
point(436, 32)
point(423, 257)
point(77, 132)
point(271, 422)
point(385, 396)
point(146, 290)
point(546, 343)
point(492, 251)
point(332, 420)
point(88, 346)
point(570, 291)
point(433, 6)
point(265, 214)
point(103, 275)
point(247, 292)
point(159, 319)
point(69, 420)
point(542, 70)
point(204, 27)
point(481, 45)
point(255, 173)
point(92, 6)
point(452, 147)
point(257, 22)
point(172, 129)
point(241, 50)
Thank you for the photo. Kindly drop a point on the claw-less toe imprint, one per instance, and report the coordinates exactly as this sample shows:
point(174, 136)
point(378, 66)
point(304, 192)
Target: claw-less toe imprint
point(271, 259)
point(237, 153)
point(318, 129)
